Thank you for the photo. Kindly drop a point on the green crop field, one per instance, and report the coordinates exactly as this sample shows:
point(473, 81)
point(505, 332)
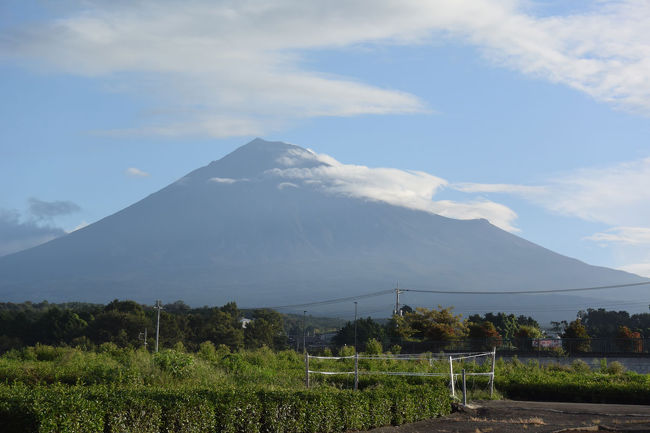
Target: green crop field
point(111, 389)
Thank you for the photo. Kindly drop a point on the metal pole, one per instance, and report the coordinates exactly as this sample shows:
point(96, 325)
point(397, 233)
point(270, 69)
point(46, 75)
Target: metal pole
point(158, 307)
point(145, 338)
point(356, 353)
point(304, 346)
point(451, 377)
point(464, 389)
point(398, 310)
point(306, 369)
point(494, 355)
point(356, 371)
point(355, 326)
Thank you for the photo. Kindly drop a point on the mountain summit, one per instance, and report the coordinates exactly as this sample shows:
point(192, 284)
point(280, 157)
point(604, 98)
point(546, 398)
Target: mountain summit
point(272, 224)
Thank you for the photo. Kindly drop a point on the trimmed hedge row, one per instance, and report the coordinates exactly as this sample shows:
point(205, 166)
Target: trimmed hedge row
point(79, 409)
point(572, 387)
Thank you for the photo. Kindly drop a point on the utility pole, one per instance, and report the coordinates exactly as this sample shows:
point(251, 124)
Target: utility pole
point(158, 307)
point(356, 353)
point(355, 326)
point(144, 337)
point(397, 311)
point(304, 346)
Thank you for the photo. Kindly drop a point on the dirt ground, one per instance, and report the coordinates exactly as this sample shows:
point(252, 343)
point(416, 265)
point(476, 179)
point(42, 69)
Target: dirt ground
point(533, 417)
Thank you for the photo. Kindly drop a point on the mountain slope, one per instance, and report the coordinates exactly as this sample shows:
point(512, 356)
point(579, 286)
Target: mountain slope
point(236, 230)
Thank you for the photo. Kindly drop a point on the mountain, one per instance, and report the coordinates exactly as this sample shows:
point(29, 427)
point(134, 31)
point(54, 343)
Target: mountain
point(257, 227)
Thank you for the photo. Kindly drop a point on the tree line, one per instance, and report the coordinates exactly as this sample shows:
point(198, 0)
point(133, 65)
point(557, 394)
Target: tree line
point(124, 322)
point(421, 327)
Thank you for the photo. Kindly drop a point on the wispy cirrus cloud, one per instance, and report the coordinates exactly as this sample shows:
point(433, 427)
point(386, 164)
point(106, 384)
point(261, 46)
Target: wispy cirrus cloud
point(623, 235)
point(617, 195)
point(235, 67)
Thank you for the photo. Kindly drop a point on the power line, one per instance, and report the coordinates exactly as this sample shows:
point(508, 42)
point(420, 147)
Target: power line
point(524, 292)
point(450, 292)
point(547, 307)
point(332, 301)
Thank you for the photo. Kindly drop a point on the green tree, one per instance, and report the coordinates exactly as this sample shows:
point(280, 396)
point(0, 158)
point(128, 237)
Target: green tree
point(431, 324)
point(266, 329)
point(366, 329)
point(220, 327)
point(576, 338)
point(602, 323)
point(525, 335)
point(483, 336)
point(118, 327)
point(505, 324)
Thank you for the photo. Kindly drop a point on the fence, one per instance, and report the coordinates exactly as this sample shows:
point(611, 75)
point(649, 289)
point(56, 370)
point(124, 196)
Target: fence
point(430, 357)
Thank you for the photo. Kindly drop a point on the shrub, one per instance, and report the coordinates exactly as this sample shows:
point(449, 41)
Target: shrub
point(174, 362)
point(615, 368)
point(101, 409)
point(579, 366)
point(207, 351)
point(373, 347)
point(132, 413)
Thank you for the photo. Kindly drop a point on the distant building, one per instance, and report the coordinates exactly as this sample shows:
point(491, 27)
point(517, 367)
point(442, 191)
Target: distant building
point(244, 322)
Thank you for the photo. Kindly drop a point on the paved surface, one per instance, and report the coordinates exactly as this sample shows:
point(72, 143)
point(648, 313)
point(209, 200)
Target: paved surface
point(526, 416)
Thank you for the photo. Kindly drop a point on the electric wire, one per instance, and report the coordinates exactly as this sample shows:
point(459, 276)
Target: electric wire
point(546, 308)
point(332, 301)
point(523, 292)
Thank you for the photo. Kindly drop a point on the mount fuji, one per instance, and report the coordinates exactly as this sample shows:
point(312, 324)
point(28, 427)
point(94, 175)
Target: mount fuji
point(273, 224)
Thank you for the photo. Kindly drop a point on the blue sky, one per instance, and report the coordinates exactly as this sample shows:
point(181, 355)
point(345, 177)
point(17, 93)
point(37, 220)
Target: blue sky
point(533, 114)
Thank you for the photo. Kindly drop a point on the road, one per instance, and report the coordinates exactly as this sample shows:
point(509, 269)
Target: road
point(534, 417)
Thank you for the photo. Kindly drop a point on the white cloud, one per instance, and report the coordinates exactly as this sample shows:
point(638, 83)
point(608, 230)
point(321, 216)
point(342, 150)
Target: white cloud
point(284, 185)
point(410, 189)
point(135, 172)
point(17, 235)
point(79, 226)
point(235, 67)
point(642, 269)
point(623, 235)
point(46, 210)
point(225, 180)
point(499, 188)
point(618, 195)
